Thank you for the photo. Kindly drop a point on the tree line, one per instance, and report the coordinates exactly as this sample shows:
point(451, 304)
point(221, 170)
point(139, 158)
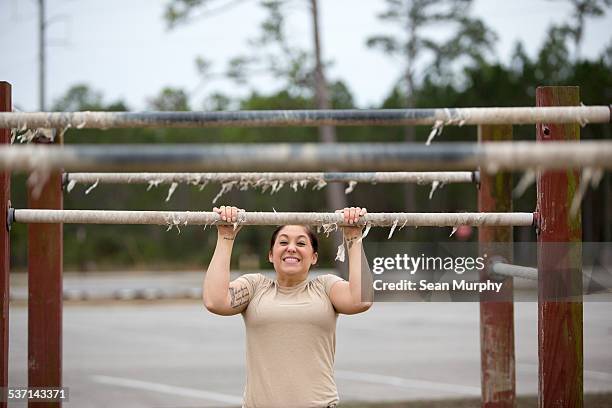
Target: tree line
point(460, 71)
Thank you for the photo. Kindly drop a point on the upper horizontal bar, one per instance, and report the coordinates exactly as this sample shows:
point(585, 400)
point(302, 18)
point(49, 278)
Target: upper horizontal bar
point(352, 117)
point(260, 178)
point(270, 218)
point(490, 157)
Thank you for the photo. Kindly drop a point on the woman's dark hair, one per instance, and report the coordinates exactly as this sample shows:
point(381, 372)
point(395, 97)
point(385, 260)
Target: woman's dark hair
point(314, 241)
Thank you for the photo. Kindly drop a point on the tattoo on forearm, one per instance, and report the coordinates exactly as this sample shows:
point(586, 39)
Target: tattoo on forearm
point(229, 238)
point(351, 241)
point(238, 296)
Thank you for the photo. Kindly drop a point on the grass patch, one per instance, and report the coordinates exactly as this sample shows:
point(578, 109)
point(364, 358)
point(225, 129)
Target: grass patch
point(599, 400)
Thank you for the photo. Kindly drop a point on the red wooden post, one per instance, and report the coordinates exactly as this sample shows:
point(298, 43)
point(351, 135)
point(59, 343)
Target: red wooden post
point(496, 315)
point(5, 195)
point(559, 268)
point(45, 253)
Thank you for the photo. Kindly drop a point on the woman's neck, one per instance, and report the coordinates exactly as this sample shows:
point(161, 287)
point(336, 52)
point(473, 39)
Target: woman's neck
point(289, 281)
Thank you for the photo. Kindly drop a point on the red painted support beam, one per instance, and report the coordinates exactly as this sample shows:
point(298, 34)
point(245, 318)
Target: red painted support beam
point(45, 252)
point(5, 195)
point(559, 266)
point(496, 314)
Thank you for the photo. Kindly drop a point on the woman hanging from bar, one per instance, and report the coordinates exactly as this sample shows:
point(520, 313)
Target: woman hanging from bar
point(290, 320)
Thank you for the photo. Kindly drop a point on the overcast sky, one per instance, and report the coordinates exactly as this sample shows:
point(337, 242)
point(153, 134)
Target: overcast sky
point(123, 48)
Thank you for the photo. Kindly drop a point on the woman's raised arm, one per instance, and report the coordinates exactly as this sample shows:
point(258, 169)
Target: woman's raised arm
point(220, 296)
point(354, 296)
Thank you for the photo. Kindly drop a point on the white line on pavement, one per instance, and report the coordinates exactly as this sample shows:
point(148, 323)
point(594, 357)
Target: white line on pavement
point(167, 389)
point(406, 383)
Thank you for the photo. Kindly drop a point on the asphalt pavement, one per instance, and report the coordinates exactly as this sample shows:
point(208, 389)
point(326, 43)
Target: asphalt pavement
point(173, 353)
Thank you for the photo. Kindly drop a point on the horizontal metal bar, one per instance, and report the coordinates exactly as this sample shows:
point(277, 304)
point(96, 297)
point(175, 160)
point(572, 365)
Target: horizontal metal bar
point(491, 157)
point(515, 271)
point(352, 117)
point(269, 218)
point(256, 179)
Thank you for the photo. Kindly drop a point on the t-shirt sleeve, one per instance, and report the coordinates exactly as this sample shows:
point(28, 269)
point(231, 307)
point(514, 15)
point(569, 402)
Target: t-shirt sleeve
point(251, 281)
point(328, 281)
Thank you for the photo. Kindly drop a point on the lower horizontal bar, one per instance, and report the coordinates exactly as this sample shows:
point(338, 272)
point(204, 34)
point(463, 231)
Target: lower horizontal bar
point(269, 218)
point(515, 271)
point(490, 157)
point(255, 178)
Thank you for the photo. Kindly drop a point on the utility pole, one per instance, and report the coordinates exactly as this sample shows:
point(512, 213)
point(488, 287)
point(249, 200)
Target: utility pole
point(41, 54)
point(336, 198)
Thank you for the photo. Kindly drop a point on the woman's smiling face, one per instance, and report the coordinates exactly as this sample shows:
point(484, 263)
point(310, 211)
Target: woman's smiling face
point(292, 253)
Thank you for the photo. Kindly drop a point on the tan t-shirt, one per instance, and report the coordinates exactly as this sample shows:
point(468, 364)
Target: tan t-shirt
point(290, 343)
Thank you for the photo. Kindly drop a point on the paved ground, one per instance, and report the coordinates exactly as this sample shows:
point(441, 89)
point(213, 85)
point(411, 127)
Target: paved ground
point(122, 285)
point(175, 354)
